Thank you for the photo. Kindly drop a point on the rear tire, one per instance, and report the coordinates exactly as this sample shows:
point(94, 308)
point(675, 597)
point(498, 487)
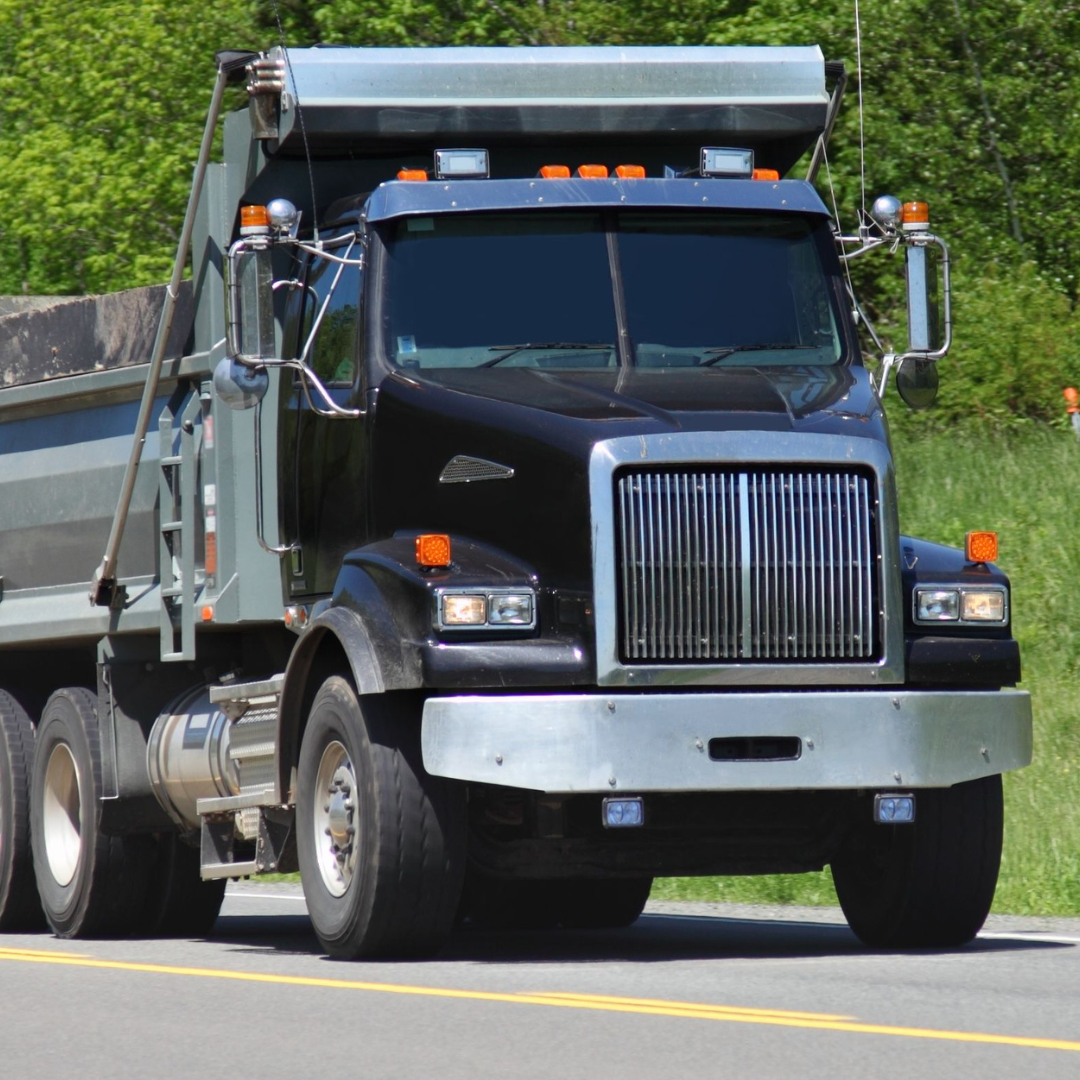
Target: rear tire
point(179, 903)
point(929, 884)
point(20, 908)
point(90, 884)
point(381, 843)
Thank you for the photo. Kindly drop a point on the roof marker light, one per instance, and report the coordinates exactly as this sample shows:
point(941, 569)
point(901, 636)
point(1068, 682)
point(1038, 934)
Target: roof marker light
point(412, 174)
point(462, 165)
point(593, 172)
point(630, 172)
point(727, 161)
point(433, 551)
point(981, 547)
point(766, 174)
point(555, 172)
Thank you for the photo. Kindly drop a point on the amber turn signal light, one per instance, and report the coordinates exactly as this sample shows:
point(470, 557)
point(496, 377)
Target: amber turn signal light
point(254, 217)
point(630, 172)
point(412, 174)
point(555, 172)
point(981, 547)
point(765, 174)
point(433, 551)
point(593, 172)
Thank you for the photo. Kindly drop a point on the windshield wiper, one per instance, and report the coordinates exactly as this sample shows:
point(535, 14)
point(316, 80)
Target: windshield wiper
point(512, 350)
point(725, 351)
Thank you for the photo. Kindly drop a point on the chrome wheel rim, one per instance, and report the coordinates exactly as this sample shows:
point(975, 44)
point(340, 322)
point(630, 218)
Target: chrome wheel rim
point(335, 819)
point(62, 815)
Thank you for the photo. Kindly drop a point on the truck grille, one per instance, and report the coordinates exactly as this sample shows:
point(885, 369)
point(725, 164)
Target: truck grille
point(747, 566)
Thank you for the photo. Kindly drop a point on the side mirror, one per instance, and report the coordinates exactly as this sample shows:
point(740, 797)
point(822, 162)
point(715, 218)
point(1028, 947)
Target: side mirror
point(924, 317)
point(250, 301)
point(917, 382)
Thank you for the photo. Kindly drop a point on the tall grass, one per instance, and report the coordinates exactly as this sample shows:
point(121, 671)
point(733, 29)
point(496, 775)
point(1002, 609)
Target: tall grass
point(1026, 485)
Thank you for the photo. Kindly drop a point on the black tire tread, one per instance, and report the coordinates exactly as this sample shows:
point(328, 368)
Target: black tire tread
point(114, 883)
point(20, 907)
point(944, 871)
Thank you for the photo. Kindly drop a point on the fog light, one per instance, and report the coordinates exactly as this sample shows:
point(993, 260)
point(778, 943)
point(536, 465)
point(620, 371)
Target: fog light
point(623, 813)
point(937, 605)
point(464, 609)
point(983, 606)
point(511, 609)
point(894, 809)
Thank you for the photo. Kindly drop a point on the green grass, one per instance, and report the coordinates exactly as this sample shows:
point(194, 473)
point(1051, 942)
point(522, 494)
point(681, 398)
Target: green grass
point(1026, 486)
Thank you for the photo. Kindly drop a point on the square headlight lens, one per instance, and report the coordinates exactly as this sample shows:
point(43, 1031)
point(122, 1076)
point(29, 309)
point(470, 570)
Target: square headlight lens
point(511, 609)
point(937, 605)
point(988, 606)
point(464, 609)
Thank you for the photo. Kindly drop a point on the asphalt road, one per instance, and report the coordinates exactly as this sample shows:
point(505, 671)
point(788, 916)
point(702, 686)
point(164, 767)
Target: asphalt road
point(689, 991)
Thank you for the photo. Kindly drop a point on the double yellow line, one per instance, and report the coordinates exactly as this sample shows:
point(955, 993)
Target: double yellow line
point(733, 1014)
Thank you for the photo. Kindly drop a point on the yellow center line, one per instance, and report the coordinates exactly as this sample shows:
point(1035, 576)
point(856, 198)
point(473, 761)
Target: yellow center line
point(685, 1010)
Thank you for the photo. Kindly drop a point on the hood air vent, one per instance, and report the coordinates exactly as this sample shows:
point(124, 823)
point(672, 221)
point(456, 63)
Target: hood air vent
point(464, 470)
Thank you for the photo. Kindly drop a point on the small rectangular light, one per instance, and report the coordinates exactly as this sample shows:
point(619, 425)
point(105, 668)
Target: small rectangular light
point(464, 609)
point(412, 174)
point(982, 605)
point(727, 161)
point(511, 609)
point(766, 174)
point(593, 172)
point(937, 605)
point(462, 164)
point(433, 550)
point(981, 547)
point(623, 813)
point(555, 172)
point(630, 172)
point(894, 809)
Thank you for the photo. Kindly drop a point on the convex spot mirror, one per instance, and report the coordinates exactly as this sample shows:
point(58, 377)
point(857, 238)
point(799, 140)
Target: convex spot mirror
point(917, 382)
point(240, 386)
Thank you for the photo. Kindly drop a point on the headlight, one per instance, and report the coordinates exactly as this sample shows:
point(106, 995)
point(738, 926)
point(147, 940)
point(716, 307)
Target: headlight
point(475, 609)
point(961, 605)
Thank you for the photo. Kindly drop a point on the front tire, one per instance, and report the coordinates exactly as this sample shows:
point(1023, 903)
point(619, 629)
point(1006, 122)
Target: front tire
point(20, 908)
point(929, 884)
point(381, 843)
point(90, 884)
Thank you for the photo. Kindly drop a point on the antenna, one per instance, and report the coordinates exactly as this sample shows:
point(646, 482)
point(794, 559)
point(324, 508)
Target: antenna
point(862, 132)
point(300, 116)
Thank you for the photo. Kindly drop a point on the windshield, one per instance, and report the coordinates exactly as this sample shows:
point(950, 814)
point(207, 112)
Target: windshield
point(589, 290)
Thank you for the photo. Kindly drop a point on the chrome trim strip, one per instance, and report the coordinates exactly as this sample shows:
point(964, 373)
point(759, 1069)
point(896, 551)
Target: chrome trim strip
point(659, 742)
point(735, 449)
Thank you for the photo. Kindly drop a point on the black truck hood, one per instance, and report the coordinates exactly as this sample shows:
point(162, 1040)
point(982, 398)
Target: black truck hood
point(671, 399)
point(543, 426)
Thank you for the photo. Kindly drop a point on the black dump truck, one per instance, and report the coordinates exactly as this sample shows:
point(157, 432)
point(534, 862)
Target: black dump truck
point(499, 516)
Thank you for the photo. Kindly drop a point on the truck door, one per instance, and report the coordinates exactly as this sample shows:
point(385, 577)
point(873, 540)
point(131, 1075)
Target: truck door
point(327, 506)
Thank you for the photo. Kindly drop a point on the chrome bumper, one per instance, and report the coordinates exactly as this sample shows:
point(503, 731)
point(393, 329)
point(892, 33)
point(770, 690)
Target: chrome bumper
point(660, 742)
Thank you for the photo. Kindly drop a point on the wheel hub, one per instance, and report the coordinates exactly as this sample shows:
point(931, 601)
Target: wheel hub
point(335, 819)
point(62, 815)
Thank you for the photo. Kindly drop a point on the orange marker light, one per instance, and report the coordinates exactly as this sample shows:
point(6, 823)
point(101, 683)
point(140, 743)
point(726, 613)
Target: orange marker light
point(593, 172)
point(1072, 399)
point(630, 172)
point(433, 550)
point(555, 172)
point(981, 546)
point(254, 217)
point(412, 174)
point(208, 614)
point(766, 174)
point(915, 215)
